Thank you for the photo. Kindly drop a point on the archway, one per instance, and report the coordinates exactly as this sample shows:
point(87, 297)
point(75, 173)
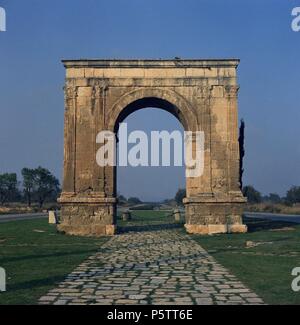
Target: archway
point(161, 99)
point(148, 190)
point(202, 94)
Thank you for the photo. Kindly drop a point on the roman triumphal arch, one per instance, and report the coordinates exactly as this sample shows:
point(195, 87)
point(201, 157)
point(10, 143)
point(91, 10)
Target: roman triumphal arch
point(202, 94)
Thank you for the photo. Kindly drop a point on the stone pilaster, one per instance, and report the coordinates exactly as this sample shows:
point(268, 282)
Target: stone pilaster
point(70, 138)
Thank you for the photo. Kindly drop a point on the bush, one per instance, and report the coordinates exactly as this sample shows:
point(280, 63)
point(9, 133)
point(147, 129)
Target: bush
point(271, 208)
point(252, 194)
point(293, 195)
point(134, 200)
point(180, 195)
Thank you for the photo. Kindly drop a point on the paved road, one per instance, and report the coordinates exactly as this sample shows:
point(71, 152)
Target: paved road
point(260, 215)
point(274, 216)
point(155, 267)
point(25, 216)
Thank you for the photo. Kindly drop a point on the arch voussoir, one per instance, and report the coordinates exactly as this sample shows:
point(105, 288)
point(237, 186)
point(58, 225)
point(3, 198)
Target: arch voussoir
point(185, 113)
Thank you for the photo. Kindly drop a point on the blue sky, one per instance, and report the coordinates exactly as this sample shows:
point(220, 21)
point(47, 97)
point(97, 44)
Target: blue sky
point(41, 33)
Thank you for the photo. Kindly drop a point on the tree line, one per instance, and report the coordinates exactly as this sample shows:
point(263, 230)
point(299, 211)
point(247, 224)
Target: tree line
point(38, 185)
point(254, 196)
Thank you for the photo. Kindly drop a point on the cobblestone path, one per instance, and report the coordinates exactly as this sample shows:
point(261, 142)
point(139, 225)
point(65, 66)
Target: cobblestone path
point(154, 267)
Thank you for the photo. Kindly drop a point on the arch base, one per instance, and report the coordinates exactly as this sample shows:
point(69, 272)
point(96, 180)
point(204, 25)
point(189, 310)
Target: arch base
point(87, 216)
point(214, 217)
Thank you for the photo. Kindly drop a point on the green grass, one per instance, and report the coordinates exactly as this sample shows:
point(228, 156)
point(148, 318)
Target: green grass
point(147, 217)
point(36, 258)
point(266, 269)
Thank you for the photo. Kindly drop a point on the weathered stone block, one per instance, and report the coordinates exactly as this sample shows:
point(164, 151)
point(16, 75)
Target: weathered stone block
point(52, 217)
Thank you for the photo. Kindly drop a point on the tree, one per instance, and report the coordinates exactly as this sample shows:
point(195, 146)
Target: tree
point(293, 195)
point(252, 194)
point(180, 195)
point(8, 187)
point(39, 184)
point(274, 198)
point(46, 185)
point(134, 200)
point(121, 199)
point(28, 183)
point(242, 152)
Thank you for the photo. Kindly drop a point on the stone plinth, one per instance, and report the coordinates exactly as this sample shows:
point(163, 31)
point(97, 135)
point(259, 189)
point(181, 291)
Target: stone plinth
point(213, 215)
point(87, 216)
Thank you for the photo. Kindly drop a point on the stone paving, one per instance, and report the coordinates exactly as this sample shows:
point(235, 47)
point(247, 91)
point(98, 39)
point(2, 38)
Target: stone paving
point(164, 267)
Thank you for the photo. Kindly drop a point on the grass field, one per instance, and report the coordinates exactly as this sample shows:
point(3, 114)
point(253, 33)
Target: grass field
point(274, 208)
point(19, 207)
point(147, 217)
point(266, 268)
point(36, 258)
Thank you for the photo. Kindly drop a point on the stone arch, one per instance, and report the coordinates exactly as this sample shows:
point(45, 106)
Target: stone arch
point(164, 99)
point(202, 94)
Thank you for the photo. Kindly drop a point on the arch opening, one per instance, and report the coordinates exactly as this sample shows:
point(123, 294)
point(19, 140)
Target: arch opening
point(154, 186)
point(149, 102)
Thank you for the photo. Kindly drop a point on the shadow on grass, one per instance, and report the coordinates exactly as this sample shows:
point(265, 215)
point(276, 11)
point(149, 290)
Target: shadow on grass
point(256, 224)
point(143, 228)
point(42, 256)
point(50, 281)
